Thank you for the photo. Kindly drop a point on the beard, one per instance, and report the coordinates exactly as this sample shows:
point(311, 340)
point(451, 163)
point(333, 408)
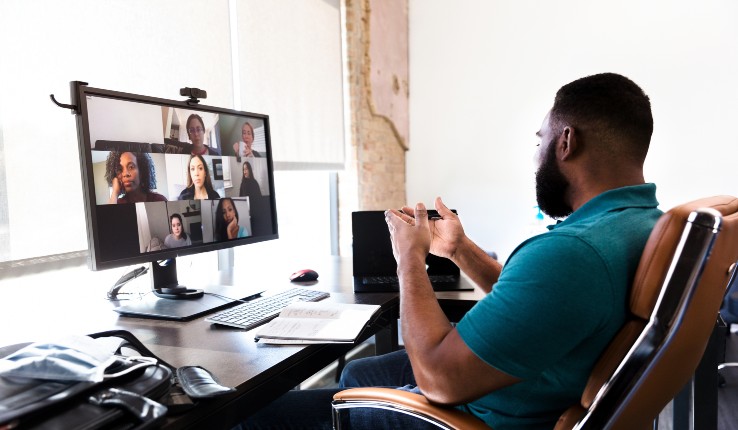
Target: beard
point(551, 186)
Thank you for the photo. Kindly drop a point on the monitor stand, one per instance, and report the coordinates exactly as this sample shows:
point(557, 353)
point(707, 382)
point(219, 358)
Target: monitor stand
point(165, 302)
point(164, 282)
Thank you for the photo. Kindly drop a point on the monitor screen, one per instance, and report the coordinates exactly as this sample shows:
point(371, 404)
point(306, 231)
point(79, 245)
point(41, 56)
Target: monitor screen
point(165, 178)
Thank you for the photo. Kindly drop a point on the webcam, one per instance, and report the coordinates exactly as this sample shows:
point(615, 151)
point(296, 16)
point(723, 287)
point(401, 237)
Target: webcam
point(194, 94)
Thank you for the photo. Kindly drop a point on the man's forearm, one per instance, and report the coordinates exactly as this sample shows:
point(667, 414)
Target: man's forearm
point(480, 267)
point(424, 325)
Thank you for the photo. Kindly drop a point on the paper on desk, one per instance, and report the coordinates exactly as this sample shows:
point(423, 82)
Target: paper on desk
point(271, 341)
point(317, 322)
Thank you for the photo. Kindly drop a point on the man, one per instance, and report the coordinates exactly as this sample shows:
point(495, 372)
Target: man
point(522, 355)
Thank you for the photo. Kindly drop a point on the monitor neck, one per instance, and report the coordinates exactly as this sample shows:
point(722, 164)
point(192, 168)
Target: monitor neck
point(164, 283)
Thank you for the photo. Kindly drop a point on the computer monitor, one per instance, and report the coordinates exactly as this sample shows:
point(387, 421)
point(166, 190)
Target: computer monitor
point(165, 178)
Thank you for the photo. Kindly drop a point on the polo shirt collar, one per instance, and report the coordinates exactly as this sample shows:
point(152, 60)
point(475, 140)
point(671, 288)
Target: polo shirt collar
point(633, 196)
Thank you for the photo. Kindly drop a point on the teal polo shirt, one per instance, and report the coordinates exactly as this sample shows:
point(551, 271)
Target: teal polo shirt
point(560, 299)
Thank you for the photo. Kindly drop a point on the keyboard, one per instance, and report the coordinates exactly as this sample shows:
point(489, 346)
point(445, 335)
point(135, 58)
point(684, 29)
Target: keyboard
point(263, 309)
point(394, 280)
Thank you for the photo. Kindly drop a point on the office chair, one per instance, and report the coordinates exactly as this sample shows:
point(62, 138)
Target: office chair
point(674, 302)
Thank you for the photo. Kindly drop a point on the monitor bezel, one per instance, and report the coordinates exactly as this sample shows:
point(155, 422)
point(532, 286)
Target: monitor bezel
point(79, 92)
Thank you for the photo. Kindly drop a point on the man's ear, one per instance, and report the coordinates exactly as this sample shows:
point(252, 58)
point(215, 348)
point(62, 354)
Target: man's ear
point(567, 145)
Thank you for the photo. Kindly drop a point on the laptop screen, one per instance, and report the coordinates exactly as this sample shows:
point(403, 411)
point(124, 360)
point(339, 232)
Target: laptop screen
point(372, 249)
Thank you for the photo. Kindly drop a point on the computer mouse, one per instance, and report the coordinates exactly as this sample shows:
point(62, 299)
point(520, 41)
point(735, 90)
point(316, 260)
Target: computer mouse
point(304, 275)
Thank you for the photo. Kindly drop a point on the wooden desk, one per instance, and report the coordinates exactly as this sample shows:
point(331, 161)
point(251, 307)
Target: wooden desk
point(36, 307)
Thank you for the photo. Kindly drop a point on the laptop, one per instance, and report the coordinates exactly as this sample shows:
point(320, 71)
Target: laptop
point(375, 268)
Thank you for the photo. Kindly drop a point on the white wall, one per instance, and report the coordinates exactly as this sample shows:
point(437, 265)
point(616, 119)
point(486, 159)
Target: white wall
point(483, 73)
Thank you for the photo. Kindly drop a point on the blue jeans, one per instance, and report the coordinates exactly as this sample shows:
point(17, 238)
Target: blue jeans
point(311, 409)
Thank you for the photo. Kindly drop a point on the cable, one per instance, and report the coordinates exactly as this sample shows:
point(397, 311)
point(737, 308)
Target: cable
point(220, 296)
point(133, 274)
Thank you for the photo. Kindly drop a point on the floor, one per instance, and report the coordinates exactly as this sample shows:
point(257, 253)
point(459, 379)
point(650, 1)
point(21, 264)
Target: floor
point(727, 395)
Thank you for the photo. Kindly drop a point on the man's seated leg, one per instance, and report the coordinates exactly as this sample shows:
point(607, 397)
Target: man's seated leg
point(312, 408)
point(387, 370)
point(296, 409)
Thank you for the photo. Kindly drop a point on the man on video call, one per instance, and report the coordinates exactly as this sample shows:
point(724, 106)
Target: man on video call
point(522, 355)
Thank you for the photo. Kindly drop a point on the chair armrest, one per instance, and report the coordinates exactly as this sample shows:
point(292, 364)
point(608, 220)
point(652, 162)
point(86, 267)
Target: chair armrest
point(408, 403)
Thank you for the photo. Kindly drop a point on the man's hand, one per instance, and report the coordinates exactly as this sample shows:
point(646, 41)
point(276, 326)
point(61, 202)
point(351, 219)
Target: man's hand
point(446, 233)
point(411, 237)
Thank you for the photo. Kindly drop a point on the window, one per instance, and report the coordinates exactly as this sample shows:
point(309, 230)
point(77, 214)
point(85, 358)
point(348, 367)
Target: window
point(242, 53)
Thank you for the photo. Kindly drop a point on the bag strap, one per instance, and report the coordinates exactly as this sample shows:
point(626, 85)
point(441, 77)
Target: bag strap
point(134, 343)
point(189, 383)
point(178, 400)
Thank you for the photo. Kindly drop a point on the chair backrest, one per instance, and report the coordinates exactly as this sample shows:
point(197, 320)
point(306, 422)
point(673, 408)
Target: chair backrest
point(114, 145)
point(674, 303)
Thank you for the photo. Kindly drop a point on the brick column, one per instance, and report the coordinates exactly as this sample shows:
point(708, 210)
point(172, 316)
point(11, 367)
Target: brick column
point(377, 66)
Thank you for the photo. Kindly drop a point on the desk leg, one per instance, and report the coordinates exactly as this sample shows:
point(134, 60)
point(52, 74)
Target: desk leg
point(386, 339)
point(682, 407)
point(698, 400)
point(706, 381)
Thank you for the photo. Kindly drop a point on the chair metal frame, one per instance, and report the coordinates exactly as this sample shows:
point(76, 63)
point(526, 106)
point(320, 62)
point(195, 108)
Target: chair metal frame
point(733, 282)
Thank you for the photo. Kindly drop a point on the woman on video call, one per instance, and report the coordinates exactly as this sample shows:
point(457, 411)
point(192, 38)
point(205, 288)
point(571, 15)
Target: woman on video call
point(196, 133)
point(132, 178)
point(178, 237)
point(247, 139)
point(199, 184)
point(249, 185)
point(226, 221)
